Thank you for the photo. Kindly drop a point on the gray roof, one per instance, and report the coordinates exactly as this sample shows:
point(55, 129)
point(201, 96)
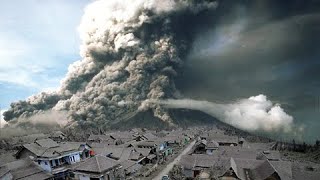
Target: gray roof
point(119, 153)
point(150, 136)
point(144, 151)
point(47, 143)
point(284, 169)
point(212, 144)
point(263, 171)
point(3, 170)
point(130, 166)
point(57, 134)
point(270, 155)
point(93, 137)
point(50, 152)
point(236, 152)
point(97, 164)
point(27, 169)
point(259, 169)
point(6, 158)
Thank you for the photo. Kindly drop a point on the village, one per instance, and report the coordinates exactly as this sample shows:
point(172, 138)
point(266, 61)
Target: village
point(194, 153)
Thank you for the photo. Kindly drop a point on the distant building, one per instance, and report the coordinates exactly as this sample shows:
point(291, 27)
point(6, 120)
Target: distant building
point(58, 136)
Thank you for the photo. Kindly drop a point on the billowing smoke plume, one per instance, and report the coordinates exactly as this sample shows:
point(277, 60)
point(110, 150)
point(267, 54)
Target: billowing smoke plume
point(256, 113)
point(41, 122)
point(131, 51)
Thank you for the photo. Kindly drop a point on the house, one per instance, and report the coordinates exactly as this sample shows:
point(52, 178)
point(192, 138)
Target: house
point(211, 147)
point(105, 139)
point(226, 140)
point(122, 137)
point(18, 141)
point(24, 169)
point(121, 154)
point(98, 168)
point(130, 167)
point(199, 147)
point(234, 168)
point(53, 157)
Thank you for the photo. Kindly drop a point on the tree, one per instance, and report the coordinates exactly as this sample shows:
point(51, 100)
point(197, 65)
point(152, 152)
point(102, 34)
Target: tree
point(176, 173)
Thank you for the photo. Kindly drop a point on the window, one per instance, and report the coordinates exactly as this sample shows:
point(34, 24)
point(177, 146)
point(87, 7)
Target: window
point(39, 162)
point(73, 159)
point(45, 163)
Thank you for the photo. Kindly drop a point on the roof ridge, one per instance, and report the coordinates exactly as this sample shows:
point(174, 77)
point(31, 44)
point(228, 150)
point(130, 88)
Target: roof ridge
point(96, 157)
point(272, 166)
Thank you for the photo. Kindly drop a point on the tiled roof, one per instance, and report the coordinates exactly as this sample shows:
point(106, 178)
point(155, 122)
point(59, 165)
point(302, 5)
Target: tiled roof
point(26, 169)
point(3, 170)
point(144, 151)
point(97, 164)
point(47, 143)
point(263, 171)
point(212, 144)
point(48, 152)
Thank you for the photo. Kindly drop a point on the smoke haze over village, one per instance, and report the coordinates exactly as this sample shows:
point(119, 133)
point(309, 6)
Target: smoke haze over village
point(251, 64)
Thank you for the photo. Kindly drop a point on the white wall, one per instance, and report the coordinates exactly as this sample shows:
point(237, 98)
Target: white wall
point(74, 158)
point(45, 166)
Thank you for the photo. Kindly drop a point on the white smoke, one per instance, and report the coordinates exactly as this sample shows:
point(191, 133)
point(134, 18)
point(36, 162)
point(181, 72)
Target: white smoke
point(46, 118)
point(2, 121)
point(256, 113)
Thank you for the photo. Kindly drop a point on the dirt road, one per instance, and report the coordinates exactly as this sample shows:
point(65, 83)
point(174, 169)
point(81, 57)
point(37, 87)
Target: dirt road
point(166, 170)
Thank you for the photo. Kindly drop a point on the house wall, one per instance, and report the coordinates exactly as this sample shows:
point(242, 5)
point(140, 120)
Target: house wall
point(210, 151)
point(73, 158)
point(45, 165)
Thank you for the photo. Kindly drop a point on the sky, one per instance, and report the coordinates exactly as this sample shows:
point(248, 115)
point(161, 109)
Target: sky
point(38, 41)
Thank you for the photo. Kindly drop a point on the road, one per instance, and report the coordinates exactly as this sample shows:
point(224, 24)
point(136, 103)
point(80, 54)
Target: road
point(166, 170)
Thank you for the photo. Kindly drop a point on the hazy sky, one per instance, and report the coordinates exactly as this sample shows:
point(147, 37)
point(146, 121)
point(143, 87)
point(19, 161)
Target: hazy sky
point(38, 40)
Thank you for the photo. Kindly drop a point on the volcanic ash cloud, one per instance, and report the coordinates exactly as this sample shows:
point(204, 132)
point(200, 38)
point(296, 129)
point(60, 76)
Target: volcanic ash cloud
point(131, 51)
point(256, 113)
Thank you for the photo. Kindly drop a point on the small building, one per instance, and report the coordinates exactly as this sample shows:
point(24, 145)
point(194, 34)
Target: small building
point(98, 168)
point(199, 147)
